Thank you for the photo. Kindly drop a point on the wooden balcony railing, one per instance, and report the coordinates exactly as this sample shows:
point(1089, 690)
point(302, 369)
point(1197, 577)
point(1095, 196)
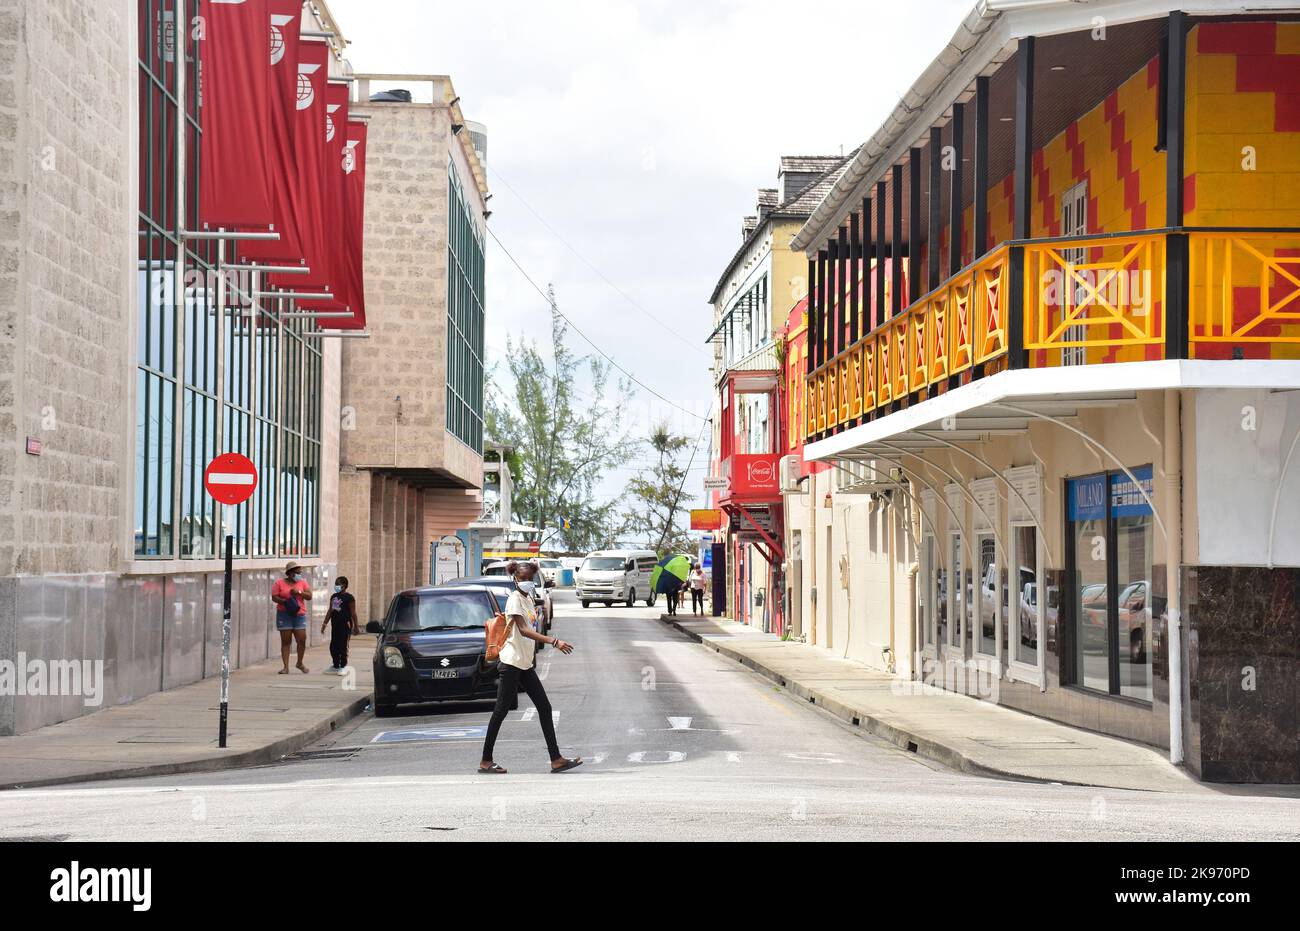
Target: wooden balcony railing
point(1084, 300)
point(1245, 294)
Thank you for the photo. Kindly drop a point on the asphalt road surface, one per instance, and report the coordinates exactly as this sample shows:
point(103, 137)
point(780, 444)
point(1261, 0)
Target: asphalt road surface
point(680, 744)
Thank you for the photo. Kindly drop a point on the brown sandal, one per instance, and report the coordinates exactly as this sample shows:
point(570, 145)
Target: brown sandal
point(493, 770)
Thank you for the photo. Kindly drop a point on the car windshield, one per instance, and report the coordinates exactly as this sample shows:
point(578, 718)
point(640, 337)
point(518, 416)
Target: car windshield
point(604, 564)
point(441, 611)
point(550, 564)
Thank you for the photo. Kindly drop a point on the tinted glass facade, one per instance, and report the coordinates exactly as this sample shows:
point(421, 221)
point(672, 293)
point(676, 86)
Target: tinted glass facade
point(465, 270)
point(242, 378)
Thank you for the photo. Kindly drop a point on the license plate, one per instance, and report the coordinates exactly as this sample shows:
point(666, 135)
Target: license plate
point(446, 674)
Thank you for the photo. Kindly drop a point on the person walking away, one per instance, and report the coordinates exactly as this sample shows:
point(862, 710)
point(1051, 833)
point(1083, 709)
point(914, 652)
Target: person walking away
point(517, 665)
point(291, 595)
point(343, 616)
point(674, 595)
point(697, 590)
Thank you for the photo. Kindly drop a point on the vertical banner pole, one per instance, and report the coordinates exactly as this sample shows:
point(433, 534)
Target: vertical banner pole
point(225, 630)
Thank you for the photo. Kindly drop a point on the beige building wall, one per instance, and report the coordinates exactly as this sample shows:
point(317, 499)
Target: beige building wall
point(405, 480)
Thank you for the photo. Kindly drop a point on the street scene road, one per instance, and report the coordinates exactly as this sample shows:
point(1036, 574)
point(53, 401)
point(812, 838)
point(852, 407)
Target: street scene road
point(680, 744)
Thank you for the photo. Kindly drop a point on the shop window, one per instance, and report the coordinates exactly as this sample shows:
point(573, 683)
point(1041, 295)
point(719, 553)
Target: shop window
point(1023, 600)
point(958, 594)
point(987, 594)
point(929, 560)
point(1110, 552)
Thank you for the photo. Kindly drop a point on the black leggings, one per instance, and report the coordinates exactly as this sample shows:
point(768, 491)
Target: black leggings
point(507, 689)
point(697, 600)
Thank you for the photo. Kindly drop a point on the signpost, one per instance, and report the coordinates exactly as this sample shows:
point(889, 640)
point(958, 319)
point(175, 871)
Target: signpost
point(716, 483)
point(231, 480)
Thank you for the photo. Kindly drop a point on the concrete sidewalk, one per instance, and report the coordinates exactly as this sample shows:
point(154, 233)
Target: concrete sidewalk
point(960, 732)
point(176, 731)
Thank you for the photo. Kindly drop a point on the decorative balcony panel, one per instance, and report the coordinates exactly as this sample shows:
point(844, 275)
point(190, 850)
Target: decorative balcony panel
point(1245, 292)
point(1095, 300)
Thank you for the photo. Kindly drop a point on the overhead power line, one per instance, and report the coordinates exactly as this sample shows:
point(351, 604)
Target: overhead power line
point(603, 277)
point(606, 356)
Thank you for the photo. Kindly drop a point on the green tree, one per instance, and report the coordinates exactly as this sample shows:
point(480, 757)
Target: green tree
point(656, 499)
point(563, 441)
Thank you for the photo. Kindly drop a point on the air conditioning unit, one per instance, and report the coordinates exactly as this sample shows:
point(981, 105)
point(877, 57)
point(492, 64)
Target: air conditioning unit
point(791, 469)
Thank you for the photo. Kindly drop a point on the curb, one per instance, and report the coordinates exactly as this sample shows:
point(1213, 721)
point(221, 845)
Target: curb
point(270, 753)
point(904, 740)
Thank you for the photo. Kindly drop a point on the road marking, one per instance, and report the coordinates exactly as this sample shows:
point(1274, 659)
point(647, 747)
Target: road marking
point(680, 724)
point(531, 713)
point(416, 734)
point(543, 670)
point(674, 756)
point(733, 756)
point(812, 757)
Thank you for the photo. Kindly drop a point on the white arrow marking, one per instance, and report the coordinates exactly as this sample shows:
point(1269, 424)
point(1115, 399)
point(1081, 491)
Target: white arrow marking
point(733, 757)
point(528, 715)
point(680, 724)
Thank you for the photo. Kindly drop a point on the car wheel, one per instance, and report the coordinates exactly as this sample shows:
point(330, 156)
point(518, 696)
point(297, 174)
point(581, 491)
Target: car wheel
point(586, 604)
point(385, 710)
point(631, 598)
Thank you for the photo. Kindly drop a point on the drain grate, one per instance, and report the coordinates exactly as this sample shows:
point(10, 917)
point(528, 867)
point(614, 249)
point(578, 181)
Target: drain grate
point(322, 756)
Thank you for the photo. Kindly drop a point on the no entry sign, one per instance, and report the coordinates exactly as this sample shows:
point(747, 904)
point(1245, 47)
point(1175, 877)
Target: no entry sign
point(231, 478)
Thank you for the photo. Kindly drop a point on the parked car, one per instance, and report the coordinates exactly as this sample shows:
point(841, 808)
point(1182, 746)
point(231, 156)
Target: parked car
point(1135, 621)
point(503, 585)
point(542, 598)
point(431, 647)
point(616, 575)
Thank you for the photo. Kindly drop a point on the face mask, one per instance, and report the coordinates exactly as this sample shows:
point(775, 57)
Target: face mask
point(528, 588)
point(296, 577)
point(338, 589)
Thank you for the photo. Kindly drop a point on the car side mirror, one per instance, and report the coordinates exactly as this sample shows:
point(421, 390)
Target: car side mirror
point(375, 627)
point(550, 583)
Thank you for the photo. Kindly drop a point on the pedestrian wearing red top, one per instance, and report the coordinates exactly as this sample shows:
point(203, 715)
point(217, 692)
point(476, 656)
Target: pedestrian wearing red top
point(291, 595)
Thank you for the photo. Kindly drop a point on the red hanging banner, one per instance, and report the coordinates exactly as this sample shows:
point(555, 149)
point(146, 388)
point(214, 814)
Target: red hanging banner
point(285, 18)
point(353, 227)
point(332, 208)
point(308, 127)
point(235, 116)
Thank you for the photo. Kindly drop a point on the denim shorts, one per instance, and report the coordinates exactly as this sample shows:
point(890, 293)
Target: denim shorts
point(290, 621)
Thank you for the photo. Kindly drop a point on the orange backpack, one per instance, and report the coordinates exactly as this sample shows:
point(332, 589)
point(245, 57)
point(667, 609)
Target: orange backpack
point(498, 632)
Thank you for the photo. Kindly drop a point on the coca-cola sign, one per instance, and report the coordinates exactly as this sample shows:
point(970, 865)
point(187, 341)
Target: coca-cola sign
point(756, 475)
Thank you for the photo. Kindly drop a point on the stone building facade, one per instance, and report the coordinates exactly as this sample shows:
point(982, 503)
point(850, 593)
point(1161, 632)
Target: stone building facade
point(83, 576)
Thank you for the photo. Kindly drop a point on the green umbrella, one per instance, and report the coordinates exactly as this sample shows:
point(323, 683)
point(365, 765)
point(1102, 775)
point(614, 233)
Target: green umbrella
point(669, 575)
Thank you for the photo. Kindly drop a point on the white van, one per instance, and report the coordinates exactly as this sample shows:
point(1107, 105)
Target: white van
point(616, 575)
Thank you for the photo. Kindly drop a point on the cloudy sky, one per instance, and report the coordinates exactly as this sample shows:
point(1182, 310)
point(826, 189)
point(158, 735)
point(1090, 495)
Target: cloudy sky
point(626, 140)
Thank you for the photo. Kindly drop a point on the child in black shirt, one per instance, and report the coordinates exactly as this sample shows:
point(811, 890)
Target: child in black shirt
point(343, 616)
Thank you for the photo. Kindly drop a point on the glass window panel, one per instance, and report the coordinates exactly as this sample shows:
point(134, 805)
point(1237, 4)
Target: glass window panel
point(1134, 540)
point(957, 563)
point(987, 595)
point(1025, 594)
point(1091, 608)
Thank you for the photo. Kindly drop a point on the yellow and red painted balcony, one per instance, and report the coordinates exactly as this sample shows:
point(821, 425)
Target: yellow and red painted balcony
point(1085, 300)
